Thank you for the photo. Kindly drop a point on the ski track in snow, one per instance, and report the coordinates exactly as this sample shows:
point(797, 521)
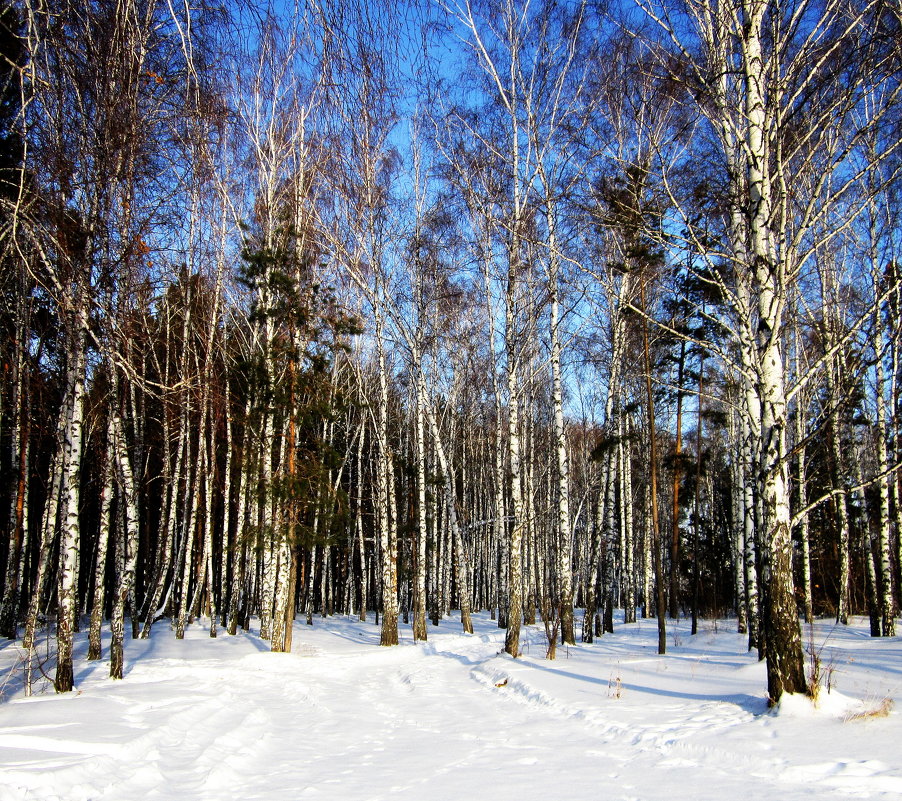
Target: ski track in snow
point(453, 718)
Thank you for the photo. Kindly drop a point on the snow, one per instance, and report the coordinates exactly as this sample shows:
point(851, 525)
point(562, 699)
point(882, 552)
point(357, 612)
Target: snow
point(454, 718)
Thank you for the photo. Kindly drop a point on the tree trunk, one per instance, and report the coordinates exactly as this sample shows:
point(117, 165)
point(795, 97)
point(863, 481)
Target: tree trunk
point(802, 492)
point(107, 525)
point(419, 595)
point(565, 533)
point(653, 481)
point(675, 512)
point(737, 470)
point(885, 581)
point(70, 542)
point(19, 447)
point(126, 576)
point(626, 523)
point(387, 536)
point(783, 651)
point(460, 560)
point(515, 542)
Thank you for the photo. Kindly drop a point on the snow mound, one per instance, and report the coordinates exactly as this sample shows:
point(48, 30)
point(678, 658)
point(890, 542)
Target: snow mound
point(834, 705)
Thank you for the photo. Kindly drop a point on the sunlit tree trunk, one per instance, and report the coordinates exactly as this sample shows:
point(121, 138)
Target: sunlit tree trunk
point(126, 570)
point(419, 598)
point(515, 540)
point(107, 527)
point(881, 347)
point(626, 522)
point(70, 537)
point(564, 529)
point(750, 522)
point(387, 535)
point(785, 663)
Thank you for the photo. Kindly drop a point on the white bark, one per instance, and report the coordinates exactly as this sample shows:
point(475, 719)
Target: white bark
point(783, 636)
point(885, 582)
point(419, 612)
point(626, 524)
point(107, 525)
point(125, 576)
point(564, 548)
point(70, 542)
point(384, 469)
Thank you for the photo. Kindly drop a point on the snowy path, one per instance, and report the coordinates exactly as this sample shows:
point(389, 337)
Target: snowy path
point(451, 719)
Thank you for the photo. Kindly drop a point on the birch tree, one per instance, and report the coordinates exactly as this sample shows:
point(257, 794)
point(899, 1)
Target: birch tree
point(789, 77)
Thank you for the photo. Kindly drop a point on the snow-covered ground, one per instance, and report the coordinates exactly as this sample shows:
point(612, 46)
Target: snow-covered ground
point(341, 718)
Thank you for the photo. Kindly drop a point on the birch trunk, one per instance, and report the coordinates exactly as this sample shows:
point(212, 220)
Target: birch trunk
point(187, 548)
point(750, 525)
point(653, 482)
point(242, 550)
point(229, 549)
point(675, 509)
point(460, 560)
point(785, 662)
point(804, 536)
point(596, 532)
point(647, 556)
point(70, 538)
point(565, 532)
point(515, 542)
point(387, 535)
point(49, 531)
point(885, 583)
point(802, 488)
point(610, 536)
point(126, 577)
point(358, 525)
point(419, 597)
point(171, 483)
point(626, 525)
point(19, 446)
point(737, 476)
point(839, 501)
point(107, 525)
point(267, 523)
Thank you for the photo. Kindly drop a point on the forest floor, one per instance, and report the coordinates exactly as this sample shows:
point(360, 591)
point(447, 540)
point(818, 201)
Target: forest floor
point(452, 718)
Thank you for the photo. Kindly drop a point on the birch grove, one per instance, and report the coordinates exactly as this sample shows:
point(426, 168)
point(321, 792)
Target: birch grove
point(565, 313)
